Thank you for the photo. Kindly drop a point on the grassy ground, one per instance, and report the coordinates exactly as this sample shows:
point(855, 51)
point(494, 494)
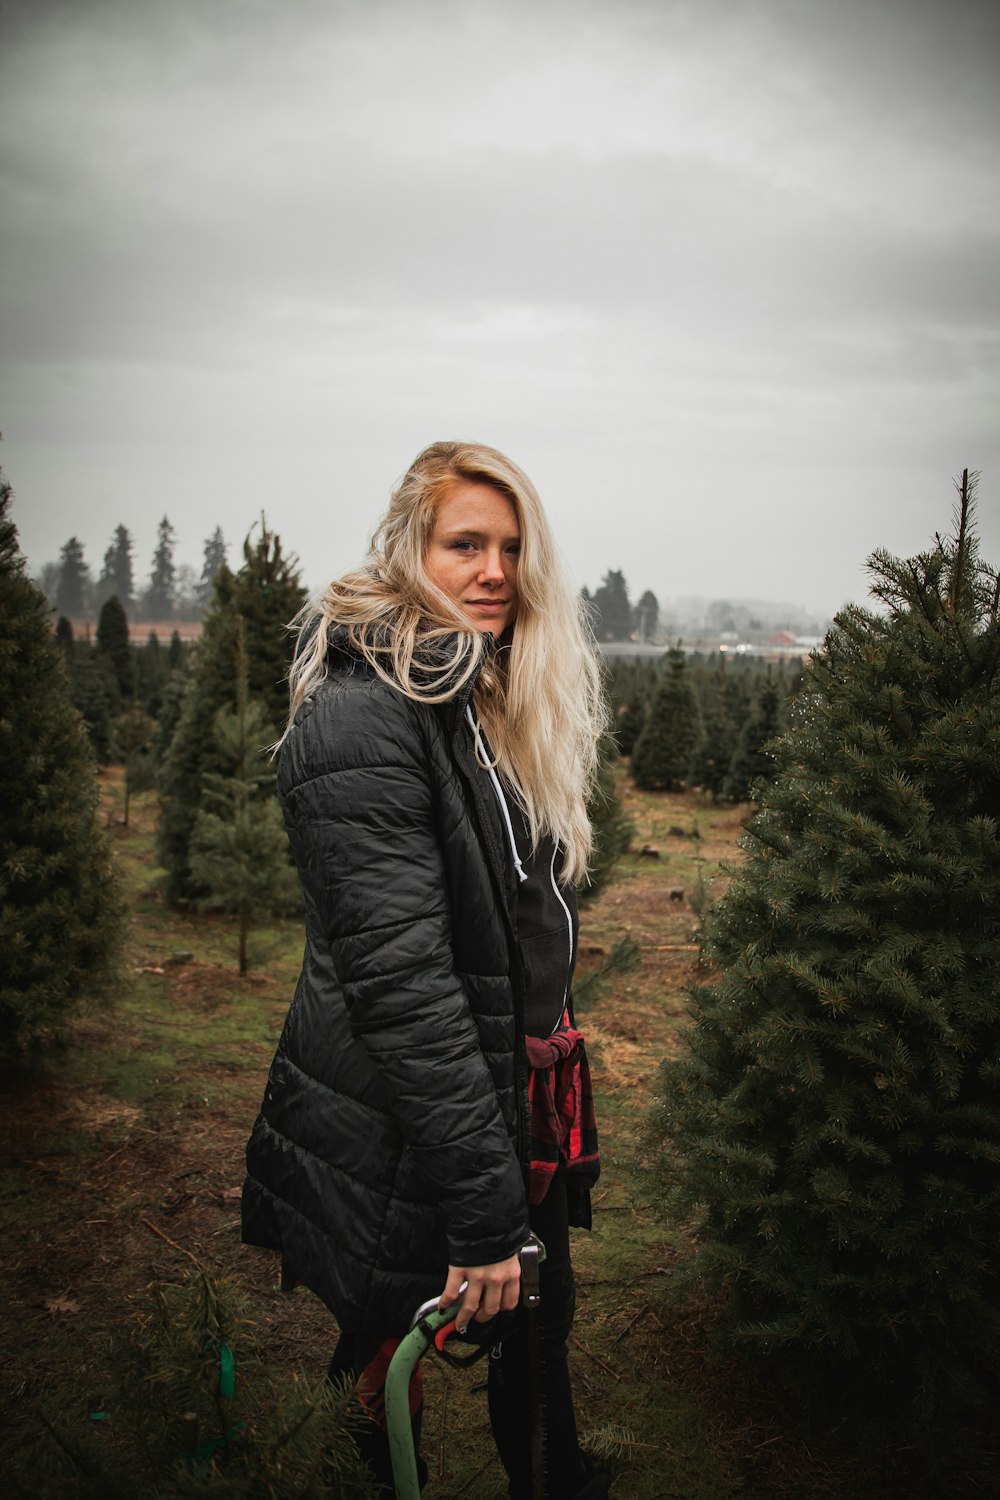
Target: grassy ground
point(124, 1160)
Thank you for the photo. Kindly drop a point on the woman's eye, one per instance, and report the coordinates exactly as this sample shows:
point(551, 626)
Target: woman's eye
point(462, 546)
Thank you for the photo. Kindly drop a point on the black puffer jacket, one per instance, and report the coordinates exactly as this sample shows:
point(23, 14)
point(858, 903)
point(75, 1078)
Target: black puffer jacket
point(393, 1133)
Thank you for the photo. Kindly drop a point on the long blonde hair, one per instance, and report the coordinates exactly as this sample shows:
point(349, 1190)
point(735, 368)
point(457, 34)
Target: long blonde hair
point(540, 703)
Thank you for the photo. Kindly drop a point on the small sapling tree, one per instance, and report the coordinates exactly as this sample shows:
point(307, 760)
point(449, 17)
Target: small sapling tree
point(664, 749)
point(239, 849)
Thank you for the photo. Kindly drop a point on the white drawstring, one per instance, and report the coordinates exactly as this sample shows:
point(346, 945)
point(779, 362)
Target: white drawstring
point(487, 765)
point(569, 919)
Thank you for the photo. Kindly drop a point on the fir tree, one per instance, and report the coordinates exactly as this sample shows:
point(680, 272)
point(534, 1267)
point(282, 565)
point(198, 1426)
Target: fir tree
point(60, 910)
point(647, 616)
point(175, 652)
point(158, 600)
point(239, 848)
point(64, 638)
point(152, 675)
point(134, 735)
point(94, 692)
point(117, 577)
point(663, 750)
point(113, 644)
point(837, 1122)
point(198, 1415)
point(751, 760)
point(214, 559)
point(613, 828)
point(610, 609)
point(265, 594)
point(631, 721)
point(73, 587)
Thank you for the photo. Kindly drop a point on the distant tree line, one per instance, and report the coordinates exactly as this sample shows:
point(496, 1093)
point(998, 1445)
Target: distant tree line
point(614, 618)
point(171, 592)
point(700, 721)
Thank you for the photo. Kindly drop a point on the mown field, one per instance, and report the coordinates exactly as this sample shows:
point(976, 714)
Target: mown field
point(123, 1163)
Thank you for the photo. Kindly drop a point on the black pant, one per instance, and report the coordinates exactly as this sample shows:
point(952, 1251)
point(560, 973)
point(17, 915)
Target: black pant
point(509, 1377)
point(509, 1382)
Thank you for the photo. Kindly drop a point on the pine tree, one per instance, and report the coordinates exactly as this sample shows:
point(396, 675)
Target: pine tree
point(152, 675)
point(158, 600)
point(663, 750)
point(113, 644)
point(265, 594)
point(647, 616)
point(750, 759)
point(613, 828)
point(134, 735)
point(610, 610)
point(94, 692)
point(239, 848)
point(631, 721)
point(837, 1122)
point(73, 588)
point(64, 638)
point(198, 1414)
point(214, 559)
point(175, 652)
point(60, 910)
point(117, 578)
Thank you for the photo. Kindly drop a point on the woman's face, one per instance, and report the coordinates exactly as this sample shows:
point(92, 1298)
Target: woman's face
point(473, 551)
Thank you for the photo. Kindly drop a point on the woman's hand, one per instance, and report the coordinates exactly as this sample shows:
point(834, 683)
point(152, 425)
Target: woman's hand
point(490, 1289)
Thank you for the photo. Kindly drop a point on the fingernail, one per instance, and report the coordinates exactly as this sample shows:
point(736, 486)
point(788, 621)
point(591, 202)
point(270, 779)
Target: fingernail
point(461, 1327)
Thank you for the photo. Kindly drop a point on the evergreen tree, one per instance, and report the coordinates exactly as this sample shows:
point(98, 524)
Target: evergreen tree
point(265, 594)
point(611, 611)
point(239, 848)
point(94, 692)
point(647, 616)
point(663, 750)
point(60, 910)
point(837, 1122)
point(175, 652)
point(632, 721)
point(117, 578)
point(73, 588)
point(158, 600)
point(64, 638)
point(214, 559)
point(134, 735)
point(712, 754)
point(613, 828)
point(152, 675)
point(113, 644)
point(751, 761)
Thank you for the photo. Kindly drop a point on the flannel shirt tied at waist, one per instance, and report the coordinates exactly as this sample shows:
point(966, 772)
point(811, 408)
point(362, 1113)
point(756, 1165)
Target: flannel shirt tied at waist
point(561, 1101)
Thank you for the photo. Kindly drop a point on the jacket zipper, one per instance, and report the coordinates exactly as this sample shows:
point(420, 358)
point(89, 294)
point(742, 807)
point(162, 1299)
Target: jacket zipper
point(498, 862)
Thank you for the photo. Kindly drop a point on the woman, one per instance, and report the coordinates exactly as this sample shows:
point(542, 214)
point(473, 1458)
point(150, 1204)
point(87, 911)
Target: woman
point(445, 714)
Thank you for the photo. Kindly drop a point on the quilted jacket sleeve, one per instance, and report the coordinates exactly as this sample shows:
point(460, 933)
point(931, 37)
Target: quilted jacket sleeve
point(368, 835)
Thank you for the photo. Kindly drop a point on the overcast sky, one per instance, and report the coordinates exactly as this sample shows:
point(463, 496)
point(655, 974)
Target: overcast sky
point(721, 275)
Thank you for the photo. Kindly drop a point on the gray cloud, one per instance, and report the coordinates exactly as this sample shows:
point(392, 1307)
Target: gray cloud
point(731, 266)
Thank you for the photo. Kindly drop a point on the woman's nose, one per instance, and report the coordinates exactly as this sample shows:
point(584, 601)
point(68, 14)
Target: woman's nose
point(491, 570)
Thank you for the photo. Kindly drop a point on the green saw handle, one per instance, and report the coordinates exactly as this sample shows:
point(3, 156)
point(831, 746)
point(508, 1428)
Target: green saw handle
point(397, 1398)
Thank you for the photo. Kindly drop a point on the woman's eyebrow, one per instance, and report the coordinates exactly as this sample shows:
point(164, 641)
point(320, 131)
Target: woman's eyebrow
point(474, 532)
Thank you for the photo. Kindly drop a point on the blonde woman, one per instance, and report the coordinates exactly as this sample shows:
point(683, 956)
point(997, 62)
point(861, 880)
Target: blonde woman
point(428, 1106)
